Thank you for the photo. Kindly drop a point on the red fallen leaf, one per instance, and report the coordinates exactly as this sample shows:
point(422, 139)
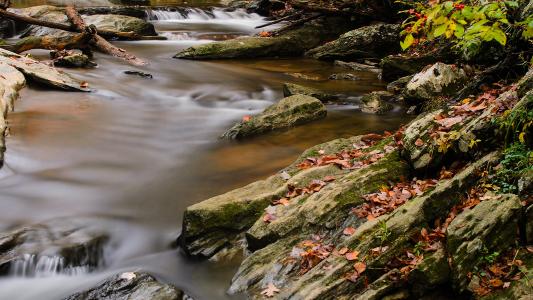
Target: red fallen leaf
point(449, 122)
point(370, 217)
point(329, 179)
point(352, 255)
point(265, 34)
point(343, 250)
point(371, 137)
point(496, 283)
point(360, 267)
point(270, 290)
point(246, 118)
point(84, 85)
point(282, 201)
point(419, 143)
point(348, 231)
point(267, 218)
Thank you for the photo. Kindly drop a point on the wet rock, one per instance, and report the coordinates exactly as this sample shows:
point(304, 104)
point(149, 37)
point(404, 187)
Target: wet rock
point(71, 59)
point(290, 43)
point(11, 82)
point(288, 112)
point(489, 227)
point(369, 41)
point(291, 89)
point(58, 246)
point(40, 72)
point(343, 76)
point(210, 225)
point(327, 279)
point(397, 86)
point(357, 66)
point(103, 22)
point(376, 102)
point(136, 12)
point(131, 286)
point(438, 80)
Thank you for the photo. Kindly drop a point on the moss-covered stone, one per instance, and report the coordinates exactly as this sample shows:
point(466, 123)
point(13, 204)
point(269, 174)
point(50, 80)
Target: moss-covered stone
point(288, 112)
point(291, 89)
point(291, 43)
point(376, 102)
point(368, 41)
point(489, 227)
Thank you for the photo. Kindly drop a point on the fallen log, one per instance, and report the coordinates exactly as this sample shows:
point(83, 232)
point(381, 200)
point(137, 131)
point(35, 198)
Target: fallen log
point(78, 41)
point(104, 33)
point(279, 20)
point(100, 43)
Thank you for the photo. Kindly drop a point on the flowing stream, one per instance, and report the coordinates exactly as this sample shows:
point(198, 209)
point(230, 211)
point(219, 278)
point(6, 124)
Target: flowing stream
point(136, 151)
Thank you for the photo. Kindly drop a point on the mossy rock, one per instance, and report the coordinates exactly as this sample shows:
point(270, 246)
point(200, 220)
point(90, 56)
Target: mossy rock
point(288, 112)
point(377, 102)
point(489, 227)
point(291, 89)
point(291, 43)
point(365, 42)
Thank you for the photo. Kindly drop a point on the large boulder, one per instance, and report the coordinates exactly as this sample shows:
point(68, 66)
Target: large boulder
point(131, 286)
point(368, 41)
point(111, 22)
point(291, 89)
point(291, 43)
point(11, 82)
point(489, 227)
point(66, 243)
point(41, 72)
point(288, 112)
point(437, 80)
point(399, 65)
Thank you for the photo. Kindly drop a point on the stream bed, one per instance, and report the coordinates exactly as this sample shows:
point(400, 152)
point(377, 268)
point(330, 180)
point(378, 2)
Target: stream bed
point(135, 152)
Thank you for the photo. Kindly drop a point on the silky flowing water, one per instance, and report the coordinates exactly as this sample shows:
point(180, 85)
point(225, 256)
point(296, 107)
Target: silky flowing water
point(136, 151)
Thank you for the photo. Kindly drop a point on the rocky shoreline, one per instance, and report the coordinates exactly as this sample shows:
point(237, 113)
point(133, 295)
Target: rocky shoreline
point(438, 208)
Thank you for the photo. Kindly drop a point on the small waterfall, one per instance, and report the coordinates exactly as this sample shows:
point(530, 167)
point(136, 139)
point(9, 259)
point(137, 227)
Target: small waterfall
point(197, 14)
point(32, 265)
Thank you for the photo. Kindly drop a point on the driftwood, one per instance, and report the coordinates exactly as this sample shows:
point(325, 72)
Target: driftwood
point(297, 23)
point(99, 42)
point(104, 33)
point(78, 41)
point(279, 20)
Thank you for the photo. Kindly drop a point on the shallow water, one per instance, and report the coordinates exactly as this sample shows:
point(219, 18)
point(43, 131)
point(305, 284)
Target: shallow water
point(136, 152)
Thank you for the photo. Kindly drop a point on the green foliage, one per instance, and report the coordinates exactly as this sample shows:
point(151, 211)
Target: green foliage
point(518, 125)
point(517, 161)
point(467, 24)
point(383, 232)
point(488, 258)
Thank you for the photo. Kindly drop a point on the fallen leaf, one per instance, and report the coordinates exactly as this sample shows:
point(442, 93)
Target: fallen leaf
point(270, 290)
point(506, 284)
point(352, 255)
point(343, 250)
point(360, 267)
point(128, 276)
point(329, 179)
point(419, 143)
point(265, 34)
point(246, 118)
point(285, 176)
point(348, 231)
point(84, 85)
point(496, 283)
point(449, 122)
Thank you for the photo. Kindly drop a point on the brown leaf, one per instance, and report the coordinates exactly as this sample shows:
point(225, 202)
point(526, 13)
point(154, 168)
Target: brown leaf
point(496, 283)
point(352, 255)
point(329, 178)
point(419, 143)
point(348, 231)
point(449, 122)
point(360, 267)
point(270, 290)
point(84, 84)
point(343, 250)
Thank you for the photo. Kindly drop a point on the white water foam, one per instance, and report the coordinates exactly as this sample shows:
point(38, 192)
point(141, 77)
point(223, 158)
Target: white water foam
point(44, 266)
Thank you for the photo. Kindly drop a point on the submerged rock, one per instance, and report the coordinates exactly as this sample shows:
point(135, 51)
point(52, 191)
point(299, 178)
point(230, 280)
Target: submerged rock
point(290, 43)
point(288, 112)
point(58, 246)
point(376, 102)
point(291, 89)
point(131, 286)
point(40, 72)
point(343, 76)
point(369, 41)
point(437, 80)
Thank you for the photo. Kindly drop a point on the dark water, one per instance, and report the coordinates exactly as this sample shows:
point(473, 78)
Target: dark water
point(138, 151)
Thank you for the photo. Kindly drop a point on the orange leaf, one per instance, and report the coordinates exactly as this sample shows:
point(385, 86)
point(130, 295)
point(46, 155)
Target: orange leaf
point(348, 231)
point(84, 85)
point(270, 290)
point(496, 283)
point(419, 143)
point(360, 267)
point(352, 255)
point(246, 118)
point(343, 250)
